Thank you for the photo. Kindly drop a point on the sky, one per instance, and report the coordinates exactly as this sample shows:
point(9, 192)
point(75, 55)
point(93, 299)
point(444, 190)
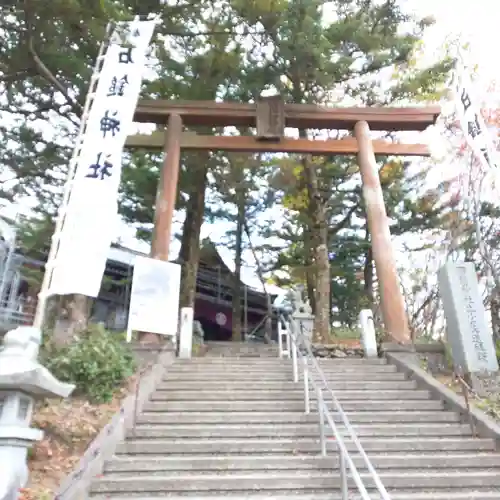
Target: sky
point(475, 22)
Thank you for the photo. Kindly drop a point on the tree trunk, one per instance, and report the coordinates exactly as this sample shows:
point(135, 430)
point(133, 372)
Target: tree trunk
point(322, 317)
point(319, 243)
point(190, 243)
point(237, 334)
point(309, 265)
point(495, 314)
point(319, 235)
point(72, 318)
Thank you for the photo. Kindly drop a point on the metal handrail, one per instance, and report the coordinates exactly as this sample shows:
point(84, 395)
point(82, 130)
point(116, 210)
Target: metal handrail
point(300, 340)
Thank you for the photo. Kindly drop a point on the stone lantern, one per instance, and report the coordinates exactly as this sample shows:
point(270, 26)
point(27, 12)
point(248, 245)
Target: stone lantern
point(302, 314)
point(22, 380)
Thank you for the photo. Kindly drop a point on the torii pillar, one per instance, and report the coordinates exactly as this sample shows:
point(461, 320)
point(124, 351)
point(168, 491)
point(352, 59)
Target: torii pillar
point(391, 297)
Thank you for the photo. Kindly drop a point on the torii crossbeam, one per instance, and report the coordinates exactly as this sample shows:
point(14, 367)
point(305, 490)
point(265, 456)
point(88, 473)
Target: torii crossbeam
point(270, 116)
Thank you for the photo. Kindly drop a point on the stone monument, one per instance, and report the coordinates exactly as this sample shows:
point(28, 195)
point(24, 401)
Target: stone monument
point(469, 335)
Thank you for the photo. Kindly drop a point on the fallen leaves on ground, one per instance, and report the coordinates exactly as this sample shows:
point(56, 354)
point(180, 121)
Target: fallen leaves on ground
point(489, 405)
point(449, 381)
point(69, 427)
point(345, 343)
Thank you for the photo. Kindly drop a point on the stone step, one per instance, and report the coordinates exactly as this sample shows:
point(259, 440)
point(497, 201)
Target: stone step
point(294, 430)
point(266, 405)
point(225, 385)
point(230, 464)
point(248, 446)
point(356, 375)
point(280, 362)
point(296, 481)
point(249, 356)
point(286, 376)
point(243, 348)
point(270, 353)
point(224, 369)
point(256, 394)
point(246, 348)
point(230, 345)
point(240, 347)
point(245, 418)
point(399, 494)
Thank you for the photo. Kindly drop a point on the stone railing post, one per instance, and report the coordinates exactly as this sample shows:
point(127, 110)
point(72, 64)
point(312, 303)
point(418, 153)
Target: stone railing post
point(22, 380)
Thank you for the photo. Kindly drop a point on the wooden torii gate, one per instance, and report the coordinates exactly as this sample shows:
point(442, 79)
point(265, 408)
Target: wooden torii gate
point(270, 116)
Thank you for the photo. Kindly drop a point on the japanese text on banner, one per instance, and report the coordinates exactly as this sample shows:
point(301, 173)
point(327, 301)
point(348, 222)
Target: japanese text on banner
point(91, 213)
point(473, 125)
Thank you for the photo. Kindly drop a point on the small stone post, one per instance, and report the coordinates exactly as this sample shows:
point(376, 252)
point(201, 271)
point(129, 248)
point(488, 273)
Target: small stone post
point(368, 335)
point(283, 339)
point(22, 380)
point(186, 333)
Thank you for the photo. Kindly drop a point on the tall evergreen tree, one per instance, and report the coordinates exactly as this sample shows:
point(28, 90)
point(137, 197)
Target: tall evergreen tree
point(347, 54)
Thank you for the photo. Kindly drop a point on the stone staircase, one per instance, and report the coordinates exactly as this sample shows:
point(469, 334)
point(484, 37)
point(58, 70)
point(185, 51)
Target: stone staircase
point(235, 427)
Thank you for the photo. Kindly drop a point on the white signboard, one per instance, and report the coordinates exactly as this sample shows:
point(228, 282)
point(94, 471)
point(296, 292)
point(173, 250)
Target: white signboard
point(154, 300)
point(470, 337)
point(90, 217)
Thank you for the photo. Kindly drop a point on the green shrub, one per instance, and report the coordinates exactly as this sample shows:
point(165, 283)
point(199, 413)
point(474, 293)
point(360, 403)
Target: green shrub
point(380, 336)
point(97, 362)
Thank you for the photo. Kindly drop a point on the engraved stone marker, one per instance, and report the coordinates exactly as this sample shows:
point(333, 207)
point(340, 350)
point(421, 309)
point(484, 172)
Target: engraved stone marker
point(469, 335)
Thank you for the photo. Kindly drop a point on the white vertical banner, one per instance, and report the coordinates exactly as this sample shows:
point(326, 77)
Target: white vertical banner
point(472, 122)
point(91, 217)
